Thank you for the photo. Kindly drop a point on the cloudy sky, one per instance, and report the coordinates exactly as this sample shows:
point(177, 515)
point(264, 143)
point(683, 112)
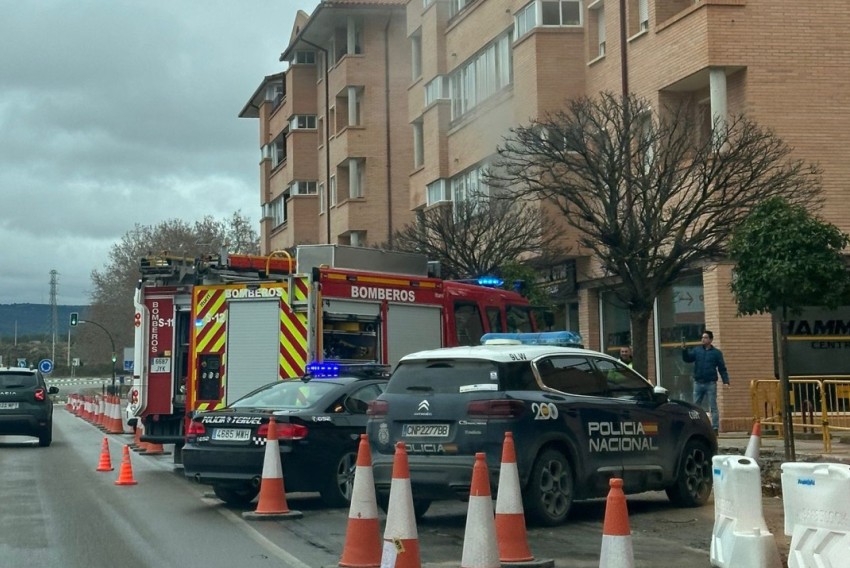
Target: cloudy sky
point(118, 112)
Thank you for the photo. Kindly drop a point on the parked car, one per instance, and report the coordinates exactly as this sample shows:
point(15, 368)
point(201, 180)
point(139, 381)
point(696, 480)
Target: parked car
point(26, 408)
point(319, 418)
point(578, 418)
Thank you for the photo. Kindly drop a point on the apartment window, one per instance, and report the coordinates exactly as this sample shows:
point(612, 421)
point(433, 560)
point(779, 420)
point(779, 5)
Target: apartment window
point(302, 121)
point(456, 6)
point(481, 77)
point(303, 188)
point(426, 3)
point(321, 198)
point(305, 57)
point(643, 15)
point(277, 210)
point(560, 12)
point(321, 128)
point(346, 40)
point(356, 170)
point(275, 94)
point(469, 187)
point(333, 191)
point(352, 102)
point(526, 19)
point(278, 151)
point(418, 144)
point(646, 141)
point(597, 24)
point(638, 16)
point(436, 89)
point(416, 54)
point(438, 191)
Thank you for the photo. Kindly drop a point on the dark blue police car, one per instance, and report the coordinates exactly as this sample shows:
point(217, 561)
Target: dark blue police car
point(578, 418)
point(319, 417)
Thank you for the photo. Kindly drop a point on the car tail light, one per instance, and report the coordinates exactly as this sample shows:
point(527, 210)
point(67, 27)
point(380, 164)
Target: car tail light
point(500, 408)
point(378, 408)
point(196, 429)
point(40, 394)
point(285, 431)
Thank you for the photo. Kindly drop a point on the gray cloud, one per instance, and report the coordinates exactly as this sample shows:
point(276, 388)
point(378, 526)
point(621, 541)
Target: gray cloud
point(117, 112)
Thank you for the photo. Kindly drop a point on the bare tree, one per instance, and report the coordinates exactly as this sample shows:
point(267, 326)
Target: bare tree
point(649, 195)
point(477, 236)
point(113, 286)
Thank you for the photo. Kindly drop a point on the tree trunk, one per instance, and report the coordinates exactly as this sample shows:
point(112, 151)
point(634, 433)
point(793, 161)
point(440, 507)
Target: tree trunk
point(640, 341)
point(780, 343)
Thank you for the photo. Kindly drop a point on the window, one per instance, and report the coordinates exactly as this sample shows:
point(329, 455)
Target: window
point(519, 319)
point(333, 191)
point(494, 319)
point(571, 375)
point(468, 324)
point(275, 93)
point(276, 210)
point(302, 121)
point(321, 198)
point(560, 12)
point(352, 103)
point(278, 151)
point(469, 187)
point(600, 31)
point(416, 54)
point(356, 167)
point(436, 89)
point(456, 6)
point(305, 57)
point(623, 382)
point(303, 188)
point(643, 15)
point(438, 191)
point(481, 77)
point(418, 145)
point(526, 19)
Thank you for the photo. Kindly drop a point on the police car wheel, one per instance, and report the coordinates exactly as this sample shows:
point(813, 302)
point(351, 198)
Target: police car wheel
point(693, 482)
point(549, 494)
point(236, 496)
point(45, 436)
point(340, 485)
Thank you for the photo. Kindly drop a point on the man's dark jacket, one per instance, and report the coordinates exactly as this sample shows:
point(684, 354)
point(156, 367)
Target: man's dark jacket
point(707, 363)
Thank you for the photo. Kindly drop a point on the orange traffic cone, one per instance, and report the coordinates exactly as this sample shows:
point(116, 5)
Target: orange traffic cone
point(363, 536)
point(479, 538)
point(754, 445)
point(272, 502)
point(616, 535)
point(400, 529)
point(511, 533)
point(125, 475)
point(105, 461)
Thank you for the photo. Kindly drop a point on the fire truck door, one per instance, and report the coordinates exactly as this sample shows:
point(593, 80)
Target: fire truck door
point(412, 328)
point(253, 346)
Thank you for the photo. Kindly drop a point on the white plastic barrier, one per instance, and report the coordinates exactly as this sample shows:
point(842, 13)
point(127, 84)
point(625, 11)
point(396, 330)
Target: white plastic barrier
point(816, 498)
point(740, 537)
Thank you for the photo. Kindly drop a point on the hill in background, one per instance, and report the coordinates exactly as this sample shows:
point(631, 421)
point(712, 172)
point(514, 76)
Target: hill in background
point(35, 319)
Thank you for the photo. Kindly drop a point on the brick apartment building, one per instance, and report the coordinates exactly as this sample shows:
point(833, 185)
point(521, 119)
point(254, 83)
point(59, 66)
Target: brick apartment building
point(389, 106)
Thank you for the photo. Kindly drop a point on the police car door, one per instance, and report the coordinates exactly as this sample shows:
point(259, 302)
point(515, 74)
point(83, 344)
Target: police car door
point(645, 430)
point(586, 413)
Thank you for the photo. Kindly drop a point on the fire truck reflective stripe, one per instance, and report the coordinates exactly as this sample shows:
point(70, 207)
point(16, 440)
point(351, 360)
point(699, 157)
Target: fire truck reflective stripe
point(209, 327)
point(385, 281)
point(293, 342)
point(302, 288)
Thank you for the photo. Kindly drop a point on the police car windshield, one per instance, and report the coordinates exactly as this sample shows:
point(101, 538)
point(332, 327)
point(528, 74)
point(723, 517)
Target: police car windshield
point(460, 375)
point(295, 394)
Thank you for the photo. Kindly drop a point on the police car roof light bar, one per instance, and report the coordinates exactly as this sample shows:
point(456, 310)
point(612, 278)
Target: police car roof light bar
point(554, 338)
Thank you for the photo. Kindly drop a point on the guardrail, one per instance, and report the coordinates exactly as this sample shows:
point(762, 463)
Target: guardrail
point(818, 405)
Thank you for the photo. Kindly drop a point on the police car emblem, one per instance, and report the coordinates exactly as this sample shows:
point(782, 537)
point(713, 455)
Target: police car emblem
point(383, 435)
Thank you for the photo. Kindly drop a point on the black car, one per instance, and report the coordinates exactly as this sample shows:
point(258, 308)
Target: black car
point(319, 418)
point(25, 405)
point(578, 418)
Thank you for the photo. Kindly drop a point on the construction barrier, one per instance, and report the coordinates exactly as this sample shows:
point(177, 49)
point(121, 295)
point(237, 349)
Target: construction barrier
point(740, 536)
point(816, 498)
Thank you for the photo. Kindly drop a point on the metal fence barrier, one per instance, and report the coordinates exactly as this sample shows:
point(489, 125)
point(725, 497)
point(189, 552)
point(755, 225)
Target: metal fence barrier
point(819, 405)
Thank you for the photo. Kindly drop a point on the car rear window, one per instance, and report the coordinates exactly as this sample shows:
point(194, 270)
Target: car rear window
point(457, 376)
point(287, 395)
point(12, 380)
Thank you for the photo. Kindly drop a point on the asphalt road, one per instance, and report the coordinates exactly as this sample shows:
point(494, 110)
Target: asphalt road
point(57, 511)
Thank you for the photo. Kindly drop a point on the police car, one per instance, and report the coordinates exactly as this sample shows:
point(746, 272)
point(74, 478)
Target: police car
point(319, 418)
point(578, 418)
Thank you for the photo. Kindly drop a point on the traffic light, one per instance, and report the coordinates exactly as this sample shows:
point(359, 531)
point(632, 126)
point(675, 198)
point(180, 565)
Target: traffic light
point(75, 318)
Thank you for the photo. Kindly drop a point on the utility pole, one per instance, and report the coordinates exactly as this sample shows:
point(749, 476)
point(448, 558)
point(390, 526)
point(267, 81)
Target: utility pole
point(54, 327)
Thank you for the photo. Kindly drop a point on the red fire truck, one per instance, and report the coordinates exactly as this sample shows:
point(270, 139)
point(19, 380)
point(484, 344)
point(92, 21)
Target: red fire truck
point(211, 330)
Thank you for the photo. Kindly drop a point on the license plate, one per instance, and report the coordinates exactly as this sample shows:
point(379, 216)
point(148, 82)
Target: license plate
point(426, 430)
point(231, 434)
point(8, 405)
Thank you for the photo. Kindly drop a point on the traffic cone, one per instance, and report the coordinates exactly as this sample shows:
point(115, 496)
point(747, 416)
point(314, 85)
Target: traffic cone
point(479, 538)
point(363, 536)
point(105, 461)
point(616, 535)
point(400, 529)
point(272, 502)
point(511, 533)
point(754, 445)
point(125, 475)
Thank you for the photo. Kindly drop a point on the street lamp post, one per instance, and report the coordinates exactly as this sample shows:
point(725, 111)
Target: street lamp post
point(113, 348)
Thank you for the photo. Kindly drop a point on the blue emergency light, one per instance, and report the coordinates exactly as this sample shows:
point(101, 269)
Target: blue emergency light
point(490, 281)
point(323, 370)
point(556, 338)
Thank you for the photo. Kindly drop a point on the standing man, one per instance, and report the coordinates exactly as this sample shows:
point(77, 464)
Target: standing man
point(708, 364)
point(626, 356)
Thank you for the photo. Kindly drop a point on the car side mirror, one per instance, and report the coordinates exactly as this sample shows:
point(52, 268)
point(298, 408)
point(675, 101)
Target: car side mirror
point(53, 390)
point(660, 395)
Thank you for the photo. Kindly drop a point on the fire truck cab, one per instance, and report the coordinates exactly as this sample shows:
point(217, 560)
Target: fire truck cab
point(209, 331)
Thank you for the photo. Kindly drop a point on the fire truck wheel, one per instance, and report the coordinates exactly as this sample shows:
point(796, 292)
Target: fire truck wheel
point(340, 485)
point(238, 496)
